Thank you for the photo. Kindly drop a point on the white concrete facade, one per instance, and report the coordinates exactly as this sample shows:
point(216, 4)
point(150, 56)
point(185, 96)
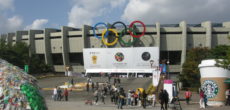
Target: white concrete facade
point(67, 43)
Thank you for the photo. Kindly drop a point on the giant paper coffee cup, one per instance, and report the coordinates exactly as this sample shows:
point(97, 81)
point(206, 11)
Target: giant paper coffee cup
point(212, 82)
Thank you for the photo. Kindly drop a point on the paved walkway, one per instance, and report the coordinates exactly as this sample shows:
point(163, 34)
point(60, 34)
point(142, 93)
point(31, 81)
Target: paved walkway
point(77, 99)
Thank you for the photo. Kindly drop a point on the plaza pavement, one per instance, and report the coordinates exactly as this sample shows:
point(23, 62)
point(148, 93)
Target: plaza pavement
point(77, 98)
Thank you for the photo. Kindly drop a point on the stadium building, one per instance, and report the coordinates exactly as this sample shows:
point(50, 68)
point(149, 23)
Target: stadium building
point(60, 47)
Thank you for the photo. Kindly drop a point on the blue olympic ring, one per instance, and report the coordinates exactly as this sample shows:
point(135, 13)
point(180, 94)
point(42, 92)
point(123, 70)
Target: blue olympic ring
point(94, 28)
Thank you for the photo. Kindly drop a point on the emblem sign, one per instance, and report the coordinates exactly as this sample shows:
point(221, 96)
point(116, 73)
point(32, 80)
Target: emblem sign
point(210, 88)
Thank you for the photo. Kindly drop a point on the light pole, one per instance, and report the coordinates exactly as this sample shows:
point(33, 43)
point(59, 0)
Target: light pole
point(168, 64)
point(168, 68)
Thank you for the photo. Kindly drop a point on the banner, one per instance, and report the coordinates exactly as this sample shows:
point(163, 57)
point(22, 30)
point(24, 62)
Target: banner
point(156, 77)
point(140, 59)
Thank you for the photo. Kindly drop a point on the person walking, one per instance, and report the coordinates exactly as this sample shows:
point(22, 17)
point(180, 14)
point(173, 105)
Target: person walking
point(55, 94)
point(121, 98)
point(72, 82)
point(66, 94)
point(87, 87)
point(59, 94)
point(202, 105)
point(227, 94)
point(114, 81)
point(205, 100)
point(92, 85)
point(103, 96)
point(166, 99)
point(143, 99)
point(161, 99)
point(188, 95)
point(129, 95)
point(96, 96)
point(135, 95)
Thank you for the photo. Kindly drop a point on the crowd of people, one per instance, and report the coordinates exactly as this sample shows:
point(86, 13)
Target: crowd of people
point(137, 97)
point(119, 97)
point(58, 94)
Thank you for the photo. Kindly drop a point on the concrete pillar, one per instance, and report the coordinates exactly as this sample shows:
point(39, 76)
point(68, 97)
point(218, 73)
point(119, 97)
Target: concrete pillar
point(85, 31)
point(9, 38)
point(227, 25)
point(65, 44)
point(208, 26)
point(183, 26)
point(19, 35)
point(158, 41)
point(48, 54)
point(32, 40)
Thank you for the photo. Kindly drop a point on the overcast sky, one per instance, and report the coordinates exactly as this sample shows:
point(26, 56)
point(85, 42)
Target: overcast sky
point(40, 14)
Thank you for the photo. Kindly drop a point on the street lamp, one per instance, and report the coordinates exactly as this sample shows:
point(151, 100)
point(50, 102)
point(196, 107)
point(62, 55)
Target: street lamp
point(168, 67)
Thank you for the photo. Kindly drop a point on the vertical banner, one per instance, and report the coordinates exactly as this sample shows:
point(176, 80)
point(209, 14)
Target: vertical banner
point(156, 77)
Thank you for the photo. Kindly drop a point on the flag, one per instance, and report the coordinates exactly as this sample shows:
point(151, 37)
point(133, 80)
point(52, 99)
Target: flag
point(156, 77)
point(163, 68)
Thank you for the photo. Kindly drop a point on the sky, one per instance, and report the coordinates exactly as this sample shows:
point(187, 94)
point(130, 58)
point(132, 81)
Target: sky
point(39, 14)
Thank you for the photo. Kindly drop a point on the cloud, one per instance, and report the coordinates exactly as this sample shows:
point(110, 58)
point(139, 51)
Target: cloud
point(84, 11)
point(37, 24)
point(10, 24)
point(174, 11)
point(6, 4)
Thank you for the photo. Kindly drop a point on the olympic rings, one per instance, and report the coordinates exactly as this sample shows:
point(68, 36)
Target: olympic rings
point(94, 29)
point(130, 30)
point(129, 43)
point(142, 34)
point(113, 25)
point(112, 43)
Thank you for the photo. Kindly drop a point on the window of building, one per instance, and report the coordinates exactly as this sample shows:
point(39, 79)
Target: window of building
point(76, 58)
point(173, 56)
point(57, 59)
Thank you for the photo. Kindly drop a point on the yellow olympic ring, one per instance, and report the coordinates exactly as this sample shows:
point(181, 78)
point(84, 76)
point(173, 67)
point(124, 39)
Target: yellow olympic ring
point(112, 43)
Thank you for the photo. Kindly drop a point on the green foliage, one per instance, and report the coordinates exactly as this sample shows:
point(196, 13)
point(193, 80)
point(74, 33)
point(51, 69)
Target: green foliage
point(225, 55)
point(18, 54)
point(219, 52)
point(38, 66)
point(190, 76)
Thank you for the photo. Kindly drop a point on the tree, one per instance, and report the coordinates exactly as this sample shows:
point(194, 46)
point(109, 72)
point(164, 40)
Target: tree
point(18, 54)
point(222, 56)
point(190, 76)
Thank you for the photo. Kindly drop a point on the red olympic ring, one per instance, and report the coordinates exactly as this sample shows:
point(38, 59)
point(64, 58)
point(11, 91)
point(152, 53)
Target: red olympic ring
point(131, 26)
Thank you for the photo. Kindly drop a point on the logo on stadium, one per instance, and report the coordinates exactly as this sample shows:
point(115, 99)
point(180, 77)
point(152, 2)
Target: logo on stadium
point(146, 56)
point(119, 56)
point(94, 59)
point(210, 88)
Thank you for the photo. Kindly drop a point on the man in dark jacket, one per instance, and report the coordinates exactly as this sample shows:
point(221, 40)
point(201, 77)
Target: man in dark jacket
point(161, 99)
point(121, 98)
point(143, 99)
point(166, 99)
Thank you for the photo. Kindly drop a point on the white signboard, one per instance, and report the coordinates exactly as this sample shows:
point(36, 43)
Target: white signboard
point(169, 89)
point(140, 59)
